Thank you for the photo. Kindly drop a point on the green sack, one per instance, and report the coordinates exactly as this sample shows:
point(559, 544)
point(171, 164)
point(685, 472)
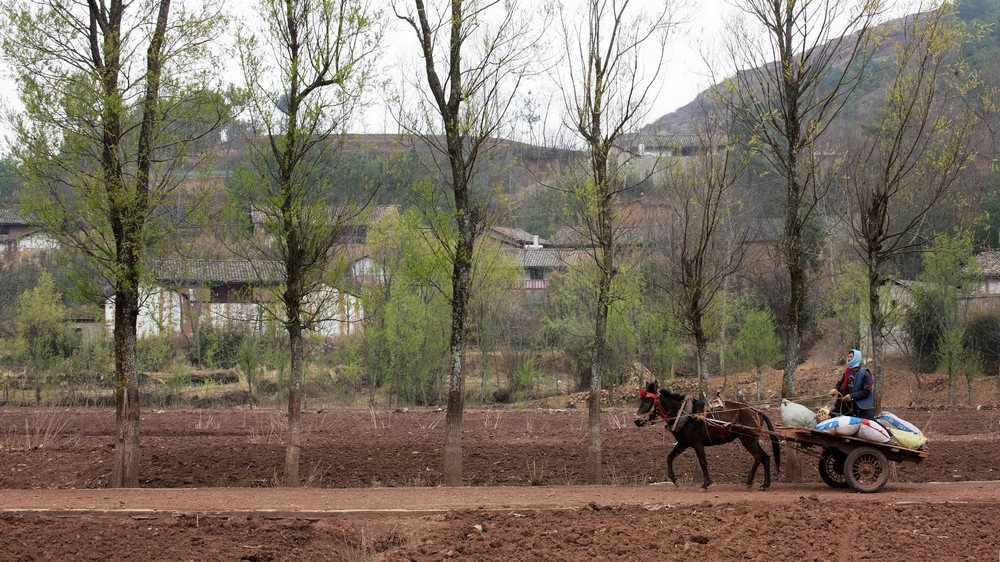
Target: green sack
point(907, 439)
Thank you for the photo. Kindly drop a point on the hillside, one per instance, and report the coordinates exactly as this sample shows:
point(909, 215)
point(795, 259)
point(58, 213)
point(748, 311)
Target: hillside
point(981, 56)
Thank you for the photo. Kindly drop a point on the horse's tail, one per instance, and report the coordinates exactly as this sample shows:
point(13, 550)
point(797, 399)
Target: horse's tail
point(775, 446)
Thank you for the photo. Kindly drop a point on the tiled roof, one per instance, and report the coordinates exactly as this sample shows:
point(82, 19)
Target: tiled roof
point(567, 236)
point(515, 236)
point(543, 257)
point(13, 217)
point(372, 214)
point(989, 264)
point(217, 272)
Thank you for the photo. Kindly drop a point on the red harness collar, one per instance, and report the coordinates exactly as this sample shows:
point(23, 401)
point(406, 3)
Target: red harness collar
point(656, 403)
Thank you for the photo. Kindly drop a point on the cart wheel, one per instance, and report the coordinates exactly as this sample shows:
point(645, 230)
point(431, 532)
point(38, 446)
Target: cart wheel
point(866, 469)
point(831, 468)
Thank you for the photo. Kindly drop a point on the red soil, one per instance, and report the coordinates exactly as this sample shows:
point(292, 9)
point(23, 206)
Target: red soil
point(373, 492)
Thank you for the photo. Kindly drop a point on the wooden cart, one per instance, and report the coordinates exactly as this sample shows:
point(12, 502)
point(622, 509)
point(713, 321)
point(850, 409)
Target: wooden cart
point(849, 461)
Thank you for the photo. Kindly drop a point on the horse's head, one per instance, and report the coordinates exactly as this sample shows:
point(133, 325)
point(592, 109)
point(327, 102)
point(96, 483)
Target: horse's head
point(648, 399)
point(657, 402)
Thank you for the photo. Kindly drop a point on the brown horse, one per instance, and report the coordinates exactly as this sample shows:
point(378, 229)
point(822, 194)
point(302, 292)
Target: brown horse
point(694, 426)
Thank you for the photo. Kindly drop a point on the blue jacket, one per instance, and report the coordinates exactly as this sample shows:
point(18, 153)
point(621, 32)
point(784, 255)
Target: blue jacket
point(860, 386)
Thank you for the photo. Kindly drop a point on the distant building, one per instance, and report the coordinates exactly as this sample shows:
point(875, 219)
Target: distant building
point(187, 294)
point(989, 268)
point(533, 255)
point(21, 237)
point(986, 297)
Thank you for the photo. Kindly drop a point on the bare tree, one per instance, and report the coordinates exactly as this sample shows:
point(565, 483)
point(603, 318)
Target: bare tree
point(104, 84)
point(913, 151)
point(307, 71)
point(614, 54)
point(705, 241)
point(475, 55)
point(789, 87)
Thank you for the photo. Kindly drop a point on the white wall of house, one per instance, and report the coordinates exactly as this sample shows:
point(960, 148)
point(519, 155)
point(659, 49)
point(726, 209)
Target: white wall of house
point(235, 314)
point(37, 242)
point(342, 314)
point(159, 312)
point(15, 248)
point(992, 286)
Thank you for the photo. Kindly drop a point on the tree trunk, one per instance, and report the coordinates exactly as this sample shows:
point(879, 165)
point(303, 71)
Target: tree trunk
point(876, 321)
point(125, 467)
point(794, 253)
point(293, 449)
point(456, 387)
point(461, 287)
point(595, 462)
point(794, 343)
point(606, 270)
point(701, 352)
point(453, 421)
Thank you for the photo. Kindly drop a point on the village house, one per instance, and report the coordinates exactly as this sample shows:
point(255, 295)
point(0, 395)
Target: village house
point(536, 260)
point(187, 294)
point(21, 237)
point(986, 297)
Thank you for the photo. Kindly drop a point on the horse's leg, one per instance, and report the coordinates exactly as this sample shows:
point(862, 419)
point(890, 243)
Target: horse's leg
point(766, 460)
point(749, 445)
point(700, 450)
point(678, 449)
point(752, 445)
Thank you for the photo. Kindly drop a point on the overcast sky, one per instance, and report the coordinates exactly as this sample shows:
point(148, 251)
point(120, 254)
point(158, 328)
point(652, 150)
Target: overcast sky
point(682, 78)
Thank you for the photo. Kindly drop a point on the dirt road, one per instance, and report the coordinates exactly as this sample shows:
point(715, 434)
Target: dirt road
point(311, 502)
point(909, 521)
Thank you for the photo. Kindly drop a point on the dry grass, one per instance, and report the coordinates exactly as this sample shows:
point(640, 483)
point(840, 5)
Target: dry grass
point(316, 476)
point(617, 476)
point(619, 420)
point(380, 420)
point(536, 474)
point(365, 546)
point(492, 419)
point(432, 424)
point(271, 430)
point(40, 432)
point(207, 424)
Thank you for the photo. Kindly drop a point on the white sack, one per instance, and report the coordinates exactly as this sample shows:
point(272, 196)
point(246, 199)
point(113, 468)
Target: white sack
point(871, 431)
point(796, 415)
point(841, 425)
point(889, 419)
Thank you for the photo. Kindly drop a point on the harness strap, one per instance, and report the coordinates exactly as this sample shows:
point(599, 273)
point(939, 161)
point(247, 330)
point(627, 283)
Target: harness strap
point(684, 411)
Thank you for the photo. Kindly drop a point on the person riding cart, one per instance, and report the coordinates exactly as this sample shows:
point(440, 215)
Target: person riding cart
point(855, 392)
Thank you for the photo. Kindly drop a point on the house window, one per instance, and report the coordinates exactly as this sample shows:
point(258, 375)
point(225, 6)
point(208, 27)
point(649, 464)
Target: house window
point(4, 229)
point(221, 294)
point(535, 273)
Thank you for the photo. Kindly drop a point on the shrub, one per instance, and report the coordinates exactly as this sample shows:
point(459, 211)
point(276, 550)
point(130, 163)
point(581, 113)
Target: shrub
point(982, 335)
point(155, 353)
point(218, 348)
point(92, 362)
point(924, 325)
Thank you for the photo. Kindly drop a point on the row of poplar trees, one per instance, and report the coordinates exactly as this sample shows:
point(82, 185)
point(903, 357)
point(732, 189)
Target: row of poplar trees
point(121, 104)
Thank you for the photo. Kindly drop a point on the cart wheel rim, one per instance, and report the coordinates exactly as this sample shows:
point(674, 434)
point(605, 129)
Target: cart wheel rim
point(831, 468)
point(867, 470)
